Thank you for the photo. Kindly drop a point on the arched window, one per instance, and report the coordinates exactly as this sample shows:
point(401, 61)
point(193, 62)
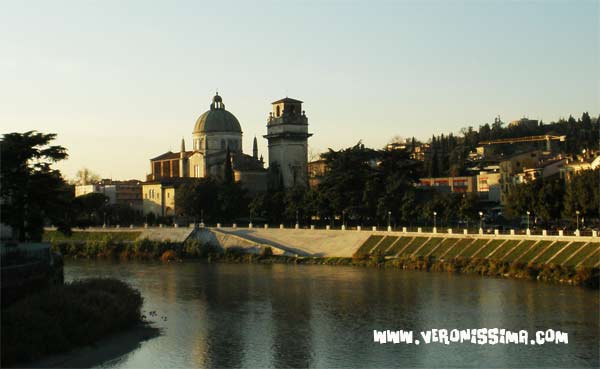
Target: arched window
point(278, 111)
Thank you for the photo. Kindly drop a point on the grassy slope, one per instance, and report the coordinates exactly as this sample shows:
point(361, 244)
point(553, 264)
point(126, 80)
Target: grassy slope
point(50, 236)
point(511, 250)
point(398, 245)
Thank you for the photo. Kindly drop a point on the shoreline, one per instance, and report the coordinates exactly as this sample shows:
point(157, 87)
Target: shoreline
point(105, 349)
point(547, 273)
point(55, 321)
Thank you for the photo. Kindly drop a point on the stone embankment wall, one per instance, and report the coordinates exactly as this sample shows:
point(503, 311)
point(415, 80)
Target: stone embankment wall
point(561, 250)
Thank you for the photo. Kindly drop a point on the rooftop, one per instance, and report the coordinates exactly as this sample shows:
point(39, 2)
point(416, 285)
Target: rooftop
point(287, 100)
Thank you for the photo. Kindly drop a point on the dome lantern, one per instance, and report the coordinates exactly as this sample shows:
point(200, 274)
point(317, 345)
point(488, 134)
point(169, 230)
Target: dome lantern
point(217, 103)
point(217, 119)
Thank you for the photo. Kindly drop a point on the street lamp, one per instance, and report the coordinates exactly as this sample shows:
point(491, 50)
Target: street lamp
point(577, 212)
point(344, 218)
point(481, 220)
point(434, 219)
point(105, 205)
point(297, 223)
point(389, 219)
point(528, 213)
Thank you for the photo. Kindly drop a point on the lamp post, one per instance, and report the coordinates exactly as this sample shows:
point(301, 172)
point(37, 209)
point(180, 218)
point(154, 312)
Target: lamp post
point(297, 222)
point(202, 216)
point(577, 213)
point(481, 220)
point(435, 220)
point(105, 205)
point(528, 213)
point(389, 219)
point(343, 218)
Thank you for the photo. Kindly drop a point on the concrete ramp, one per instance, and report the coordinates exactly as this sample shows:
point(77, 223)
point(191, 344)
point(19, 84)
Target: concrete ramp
point(304, 242)
point(225, 240)
point(166, 234)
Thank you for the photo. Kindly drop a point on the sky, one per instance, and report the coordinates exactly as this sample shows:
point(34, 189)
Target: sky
point(121, 82)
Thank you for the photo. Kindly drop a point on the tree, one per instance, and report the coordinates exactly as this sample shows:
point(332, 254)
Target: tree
point(32, 191)
point(87, 207)
point(85, 176)
point(519, 199)
point(344, 183)
point(228, 174)
point(232, 201)
point(468, 208)
point(582, 194)
point(197, 199)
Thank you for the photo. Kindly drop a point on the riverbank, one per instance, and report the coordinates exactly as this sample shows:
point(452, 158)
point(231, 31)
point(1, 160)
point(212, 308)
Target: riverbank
point(100, 352)
point(62, 318)
point(572, 263)
point(552, 273)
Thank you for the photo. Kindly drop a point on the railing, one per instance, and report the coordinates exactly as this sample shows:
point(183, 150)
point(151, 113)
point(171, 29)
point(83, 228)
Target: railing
point(401, 229)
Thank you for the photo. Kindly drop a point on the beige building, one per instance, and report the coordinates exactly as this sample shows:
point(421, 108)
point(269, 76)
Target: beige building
point(124, 193)
point(525, 123)
point(316, 171)
point(216, 132)
point(574, 167)
point(159, 197)
point(543, 170)
point(450, 184)
point(516, 164)
point(287, 133)
point(488, 185)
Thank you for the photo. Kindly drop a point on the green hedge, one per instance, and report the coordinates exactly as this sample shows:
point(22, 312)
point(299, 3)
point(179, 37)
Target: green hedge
point(51, 236)
point(64, 317)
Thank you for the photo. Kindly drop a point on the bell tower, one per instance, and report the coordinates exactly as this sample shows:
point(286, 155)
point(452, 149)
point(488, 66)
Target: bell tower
point(287, 134)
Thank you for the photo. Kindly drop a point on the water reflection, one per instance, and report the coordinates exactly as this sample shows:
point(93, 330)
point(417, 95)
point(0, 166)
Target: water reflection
point(299, 316)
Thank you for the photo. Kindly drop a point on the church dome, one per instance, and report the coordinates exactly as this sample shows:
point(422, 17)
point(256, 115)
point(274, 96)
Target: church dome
point(217, 119)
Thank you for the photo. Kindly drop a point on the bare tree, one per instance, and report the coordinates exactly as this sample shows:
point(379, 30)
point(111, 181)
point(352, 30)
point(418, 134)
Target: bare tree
point(85, 176)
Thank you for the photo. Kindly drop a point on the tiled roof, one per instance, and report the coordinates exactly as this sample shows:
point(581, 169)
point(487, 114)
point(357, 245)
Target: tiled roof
point(243, 162)
point(171, 155)
point(287, 99)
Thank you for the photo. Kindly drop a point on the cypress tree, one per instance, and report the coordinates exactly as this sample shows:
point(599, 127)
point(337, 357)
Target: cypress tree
point(228, 175)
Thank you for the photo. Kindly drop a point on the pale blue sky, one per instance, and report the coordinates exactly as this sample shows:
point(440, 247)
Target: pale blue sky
point(123, 81)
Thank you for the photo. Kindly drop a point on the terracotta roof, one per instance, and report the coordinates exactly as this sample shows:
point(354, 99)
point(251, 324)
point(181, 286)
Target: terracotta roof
point(287, 99)
point(243, 162)
point(171, 182)
point(169, 155)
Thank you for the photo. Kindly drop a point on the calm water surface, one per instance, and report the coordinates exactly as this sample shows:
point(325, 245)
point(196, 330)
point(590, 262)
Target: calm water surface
point(226, 315)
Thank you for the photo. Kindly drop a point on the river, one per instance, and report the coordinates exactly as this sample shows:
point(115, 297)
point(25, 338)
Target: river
point(240, 315)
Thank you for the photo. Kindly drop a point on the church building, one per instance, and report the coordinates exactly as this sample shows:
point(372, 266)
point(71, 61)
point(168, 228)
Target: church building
point(217, 134)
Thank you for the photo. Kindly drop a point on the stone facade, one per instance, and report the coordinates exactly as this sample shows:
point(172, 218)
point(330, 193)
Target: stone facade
point(215, 132)
point(287, 133)
point(159, 198)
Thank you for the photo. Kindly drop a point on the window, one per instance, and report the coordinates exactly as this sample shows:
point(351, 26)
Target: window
point(278, 111)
